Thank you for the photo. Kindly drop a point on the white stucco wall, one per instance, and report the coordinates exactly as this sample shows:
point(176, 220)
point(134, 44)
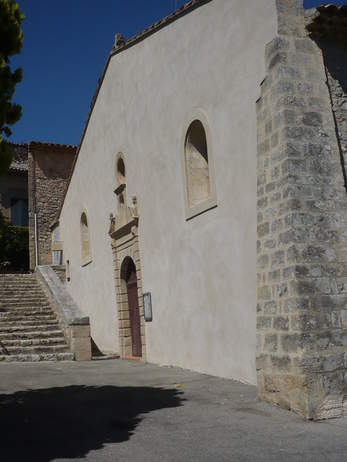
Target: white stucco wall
point(201, 272)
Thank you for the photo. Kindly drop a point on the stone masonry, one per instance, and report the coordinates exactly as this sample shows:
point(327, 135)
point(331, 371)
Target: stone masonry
point(49, 169)
point(302, 229)
point(29, 327)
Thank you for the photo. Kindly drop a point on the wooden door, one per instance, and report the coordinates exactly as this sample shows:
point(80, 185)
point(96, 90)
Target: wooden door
point(134, 312)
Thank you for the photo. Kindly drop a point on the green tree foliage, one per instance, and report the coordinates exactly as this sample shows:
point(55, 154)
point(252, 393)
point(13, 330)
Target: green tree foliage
point(11, 39)
point(14, 247)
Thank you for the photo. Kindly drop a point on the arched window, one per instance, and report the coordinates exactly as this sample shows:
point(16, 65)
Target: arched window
point(85, 242)
point(120, 180)
point(120, 171)
point(196, 154)
point(199, 173)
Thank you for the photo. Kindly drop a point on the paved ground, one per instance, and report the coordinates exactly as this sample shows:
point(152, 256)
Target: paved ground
point(115, 410)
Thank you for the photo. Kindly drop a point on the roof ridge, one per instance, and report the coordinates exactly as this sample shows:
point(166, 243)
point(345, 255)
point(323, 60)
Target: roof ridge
point(50, 144)
point(183, 10)
point(157, 25)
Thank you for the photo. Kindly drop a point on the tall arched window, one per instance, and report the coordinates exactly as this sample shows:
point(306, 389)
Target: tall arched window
point(200, 191)
point(85, 241)
point(198, 177)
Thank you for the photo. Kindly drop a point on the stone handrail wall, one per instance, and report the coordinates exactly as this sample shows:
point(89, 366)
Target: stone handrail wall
point(74, 322)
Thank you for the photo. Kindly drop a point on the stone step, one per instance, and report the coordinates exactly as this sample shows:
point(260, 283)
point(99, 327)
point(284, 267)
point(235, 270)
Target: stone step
point(37, 334)
point(26, 322)
point(20, 285)
point(13, 350)
point(17, 280)
point(37, 357)
point(21, 297)
point(18, 295)
point(15, 328)
point(24, 304)
point(52, 341)
point(29, 305)
point(24, 296)
point(20, 288)
point(12, 317)
point(29, 328)
point(32, 310)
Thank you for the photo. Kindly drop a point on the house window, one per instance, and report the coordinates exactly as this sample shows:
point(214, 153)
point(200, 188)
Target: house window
point(19, 212)
point(85, 243)
point(57, 257)
point(200, 192)
point(57, 247)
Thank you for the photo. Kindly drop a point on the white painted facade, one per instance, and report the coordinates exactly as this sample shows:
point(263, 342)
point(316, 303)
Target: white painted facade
point(201, 272)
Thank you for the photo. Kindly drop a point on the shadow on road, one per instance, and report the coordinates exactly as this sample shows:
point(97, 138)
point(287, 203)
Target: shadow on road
point(68, 422)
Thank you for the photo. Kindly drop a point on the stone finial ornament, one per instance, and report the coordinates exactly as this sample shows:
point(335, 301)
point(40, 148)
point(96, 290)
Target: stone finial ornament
point(112, 223)
point(118, 40)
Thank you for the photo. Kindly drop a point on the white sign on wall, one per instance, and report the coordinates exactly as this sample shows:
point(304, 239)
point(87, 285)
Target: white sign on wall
point(147, 306)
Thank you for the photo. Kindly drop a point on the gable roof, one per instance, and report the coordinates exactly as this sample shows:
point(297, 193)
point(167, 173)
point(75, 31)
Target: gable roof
point(20, 151)
point(120, 46)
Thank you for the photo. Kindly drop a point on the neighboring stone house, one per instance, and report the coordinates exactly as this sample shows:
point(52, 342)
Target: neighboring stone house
point(49, 169)
point(35, 185)
point(14, 187)
point(204, 225)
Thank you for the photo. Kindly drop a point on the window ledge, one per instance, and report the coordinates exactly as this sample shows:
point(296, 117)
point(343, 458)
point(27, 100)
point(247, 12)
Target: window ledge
point(192, 212)
point(86, 261)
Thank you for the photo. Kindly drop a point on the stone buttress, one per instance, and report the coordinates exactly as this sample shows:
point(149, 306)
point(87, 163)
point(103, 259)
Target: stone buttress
point(302, 229)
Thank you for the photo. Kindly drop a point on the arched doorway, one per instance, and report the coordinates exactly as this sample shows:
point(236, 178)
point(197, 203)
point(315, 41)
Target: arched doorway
point(128, 274)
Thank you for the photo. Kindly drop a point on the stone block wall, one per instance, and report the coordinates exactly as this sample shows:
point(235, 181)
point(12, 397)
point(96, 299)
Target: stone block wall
point(302, 231)
point(49, 167)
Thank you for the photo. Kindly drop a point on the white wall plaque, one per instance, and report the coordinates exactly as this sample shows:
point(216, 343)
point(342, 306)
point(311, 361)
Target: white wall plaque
point(147, 306)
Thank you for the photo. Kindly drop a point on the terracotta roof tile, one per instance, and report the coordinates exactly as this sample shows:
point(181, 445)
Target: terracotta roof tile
point(19, 157)
point(20, 152)
point(48, 145)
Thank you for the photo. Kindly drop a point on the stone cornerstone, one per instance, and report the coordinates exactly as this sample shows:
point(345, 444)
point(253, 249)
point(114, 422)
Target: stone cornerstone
point(302, 229)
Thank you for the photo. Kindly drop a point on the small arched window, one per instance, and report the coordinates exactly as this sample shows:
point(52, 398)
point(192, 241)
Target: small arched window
point(85, 241)
point(199, 173)
point(120, 171)
point(120, 180)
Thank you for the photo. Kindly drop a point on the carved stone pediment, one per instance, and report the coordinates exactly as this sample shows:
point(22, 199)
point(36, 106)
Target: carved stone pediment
point(125, 221)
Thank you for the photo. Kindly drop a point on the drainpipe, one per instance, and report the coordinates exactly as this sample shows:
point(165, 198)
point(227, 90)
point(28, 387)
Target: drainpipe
point(36, 243)
point(36, 240)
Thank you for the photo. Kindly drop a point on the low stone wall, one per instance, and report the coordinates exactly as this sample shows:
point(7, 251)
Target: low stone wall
point(75, 324)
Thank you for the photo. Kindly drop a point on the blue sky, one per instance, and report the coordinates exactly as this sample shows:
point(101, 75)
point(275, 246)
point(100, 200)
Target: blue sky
point(66, 44)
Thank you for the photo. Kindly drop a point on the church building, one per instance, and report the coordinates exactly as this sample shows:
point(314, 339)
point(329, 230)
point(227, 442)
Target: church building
point(204, 222)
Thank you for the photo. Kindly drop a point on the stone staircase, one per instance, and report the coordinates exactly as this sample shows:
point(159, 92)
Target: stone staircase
point(29, 329)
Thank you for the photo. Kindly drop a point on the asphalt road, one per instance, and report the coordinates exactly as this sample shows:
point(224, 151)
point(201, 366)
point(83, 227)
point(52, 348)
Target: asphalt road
point(110, 411)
